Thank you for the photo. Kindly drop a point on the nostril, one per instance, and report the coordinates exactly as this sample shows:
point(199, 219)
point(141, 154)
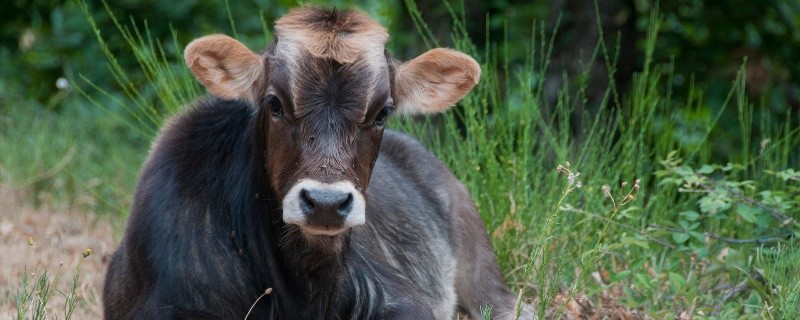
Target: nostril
point(306, 202)
point(347, 205)
point(325, 203)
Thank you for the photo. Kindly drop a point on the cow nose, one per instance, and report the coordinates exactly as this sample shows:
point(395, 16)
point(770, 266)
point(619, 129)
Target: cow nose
point(313, 204)
point(326, 202)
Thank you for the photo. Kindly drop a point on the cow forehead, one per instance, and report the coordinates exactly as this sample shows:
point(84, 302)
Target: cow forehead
point(310, 41)
point(343, 36)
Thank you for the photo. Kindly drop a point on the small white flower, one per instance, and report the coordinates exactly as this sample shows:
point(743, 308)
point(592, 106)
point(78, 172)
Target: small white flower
point(573, 177)
point(62, 84)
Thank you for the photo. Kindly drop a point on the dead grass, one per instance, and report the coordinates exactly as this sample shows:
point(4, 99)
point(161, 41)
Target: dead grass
point(59, 237)
point(567, 306)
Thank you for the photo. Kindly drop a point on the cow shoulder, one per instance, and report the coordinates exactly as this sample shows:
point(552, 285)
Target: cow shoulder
point(423, 172)
point(409, 155)
point(197, 170)
point(409, 223)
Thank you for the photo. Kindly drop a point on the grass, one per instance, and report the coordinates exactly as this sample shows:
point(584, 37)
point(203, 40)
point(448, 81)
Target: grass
point(779, 268)
point(619, 208)
point(74, 158)
point(38, 291)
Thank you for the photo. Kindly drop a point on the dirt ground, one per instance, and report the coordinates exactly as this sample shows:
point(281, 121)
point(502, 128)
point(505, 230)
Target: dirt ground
point(35, 240)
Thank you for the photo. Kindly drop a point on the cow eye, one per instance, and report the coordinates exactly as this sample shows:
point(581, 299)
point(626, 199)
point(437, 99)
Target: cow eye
point(380, 119)
point(274, 105)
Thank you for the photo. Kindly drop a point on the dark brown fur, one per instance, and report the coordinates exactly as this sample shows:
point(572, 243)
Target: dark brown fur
point(206, 235)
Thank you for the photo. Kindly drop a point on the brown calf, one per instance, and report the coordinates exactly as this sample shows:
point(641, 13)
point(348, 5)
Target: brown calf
point(286, 180)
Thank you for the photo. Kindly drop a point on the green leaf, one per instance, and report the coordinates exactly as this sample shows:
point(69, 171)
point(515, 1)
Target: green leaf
point(698, 235)
point(715, 202)
point(706, 169)
point(735, 259)
point(680, 237)
point(732, 166)
point(684, 171)
point(763, 220)
point(690, 215)
point(677, 281)
point(617, 276)
point(635, 242)
point(643, 280)
point(754, 300)
point(786, 174)
point(748, 213)
point(693, 180)
point(674, 181)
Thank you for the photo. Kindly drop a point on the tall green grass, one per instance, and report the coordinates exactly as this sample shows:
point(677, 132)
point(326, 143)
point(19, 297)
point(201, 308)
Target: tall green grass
point(607, 209)
point(551, 235)
point(76, 157)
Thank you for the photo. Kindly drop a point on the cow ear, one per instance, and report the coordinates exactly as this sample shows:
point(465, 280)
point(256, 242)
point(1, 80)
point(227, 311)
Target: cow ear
point(434, 81)
point(224, 66)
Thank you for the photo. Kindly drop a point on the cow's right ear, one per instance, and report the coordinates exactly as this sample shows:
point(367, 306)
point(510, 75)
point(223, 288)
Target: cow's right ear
point(434, 81)
point(224, 66)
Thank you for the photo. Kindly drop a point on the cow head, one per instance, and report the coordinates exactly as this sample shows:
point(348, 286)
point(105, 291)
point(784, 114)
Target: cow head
point(325, 89)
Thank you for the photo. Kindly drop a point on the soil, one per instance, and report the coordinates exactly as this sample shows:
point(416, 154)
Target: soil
point(37, 240)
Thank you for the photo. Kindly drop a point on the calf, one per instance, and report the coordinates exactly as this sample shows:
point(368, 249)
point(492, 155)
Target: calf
point(286, 180)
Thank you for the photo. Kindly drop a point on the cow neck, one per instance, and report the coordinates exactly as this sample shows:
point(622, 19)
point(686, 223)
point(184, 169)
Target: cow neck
point(303, 278)
point(315, 276)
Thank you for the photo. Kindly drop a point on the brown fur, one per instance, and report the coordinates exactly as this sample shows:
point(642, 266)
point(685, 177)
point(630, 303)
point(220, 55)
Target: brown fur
point(341, 36)
point(209, 228)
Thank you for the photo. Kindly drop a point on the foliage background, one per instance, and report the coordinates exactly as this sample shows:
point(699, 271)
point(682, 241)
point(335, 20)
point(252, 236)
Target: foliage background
point(705, 114)
point(701, 43)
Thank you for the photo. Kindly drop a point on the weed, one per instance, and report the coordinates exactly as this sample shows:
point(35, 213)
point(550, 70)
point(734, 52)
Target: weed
point(36, 290)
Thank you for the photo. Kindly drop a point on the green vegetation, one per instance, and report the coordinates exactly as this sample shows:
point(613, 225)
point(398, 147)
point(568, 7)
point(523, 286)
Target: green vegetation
point(663, 230)
point(35, 292)
point(633, 206)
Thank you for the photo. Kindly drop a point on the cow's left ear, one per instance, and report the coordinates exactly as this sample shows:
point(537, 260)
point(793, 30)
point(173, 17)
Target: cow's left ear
point(224, 66)
point(434, 81)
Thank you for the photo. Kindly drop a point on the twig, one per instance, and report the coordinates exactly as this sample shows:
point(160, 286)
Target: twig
point(741, 241)
point(721, 238)
point(707, 186)
point(777, 214)
point(774, 212)
point(736, 290)
point(266, 292)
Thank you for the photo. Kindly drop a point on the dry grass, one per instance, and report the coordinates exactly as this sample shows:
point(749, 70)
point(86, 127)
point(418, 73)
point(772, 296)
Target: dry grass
point(59, 239)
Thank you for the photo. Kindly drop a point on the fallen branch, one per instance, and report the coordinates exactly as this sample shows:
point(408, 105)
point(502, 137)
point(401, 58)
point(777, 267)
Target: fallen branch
point(721, 238)
point(774, 212)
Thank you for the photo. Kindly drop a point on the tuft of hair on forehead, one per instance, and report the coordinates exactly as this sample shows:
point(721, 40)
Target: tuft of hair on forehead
point(341, 35)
